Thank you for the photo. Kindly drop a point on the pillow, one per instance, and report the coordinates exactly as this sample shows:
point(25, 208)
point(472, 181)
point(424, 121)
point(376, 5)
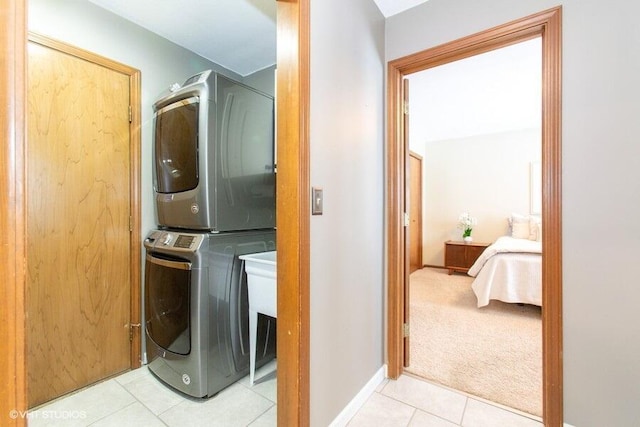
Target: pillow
point(535, 228)
point(520, 230)
point(525, 227)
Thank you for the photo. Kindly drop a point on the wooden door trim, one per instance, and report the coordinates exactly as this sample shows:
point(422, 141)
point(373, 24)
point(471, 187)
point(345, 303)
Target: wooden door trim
point(293, 211)
point(548, 25)
point(13, 205)
point(135, 243)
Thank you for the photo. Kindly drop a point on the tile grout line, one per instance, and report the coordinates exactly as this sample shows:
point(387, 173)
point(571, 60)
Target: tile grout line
point(464, 410)
point(416, 409)
point(117, 410)
point(157, 416)
point(110, 414)
point(263, 413)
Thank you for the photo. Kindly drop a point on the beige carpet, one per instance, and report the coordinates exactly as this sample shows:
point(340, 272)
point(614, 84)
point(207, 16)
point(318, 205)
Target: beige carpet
point(494, 352)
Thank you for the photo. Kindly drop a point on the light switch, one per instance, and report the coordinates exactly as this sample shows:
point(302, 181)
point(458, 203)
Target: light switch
point(316, 201)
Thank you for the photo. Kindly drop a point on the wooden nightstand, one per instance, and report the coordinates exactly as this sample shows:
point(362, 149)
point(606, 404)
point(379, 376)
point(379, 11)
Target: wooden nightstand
point(460, 256)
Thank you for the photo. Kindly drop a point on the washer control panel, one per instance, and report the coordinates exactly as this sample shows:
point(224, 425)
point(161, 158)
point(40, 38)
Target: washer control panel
point(176, 240)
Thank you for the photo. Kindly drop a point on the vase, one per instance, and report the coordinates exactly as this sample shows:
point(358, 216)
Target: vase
point(467, 239)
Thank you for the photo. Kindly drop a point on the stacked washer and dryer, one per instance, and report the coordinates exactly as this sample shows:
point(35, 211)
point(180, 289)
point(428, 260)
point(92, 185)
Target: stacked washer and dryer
point(214, 185)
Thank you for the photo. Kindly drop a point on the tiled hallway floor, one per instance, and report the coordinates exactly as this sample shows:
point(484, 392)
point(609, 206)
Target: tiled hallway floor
point(410, 401)
point(138, 399)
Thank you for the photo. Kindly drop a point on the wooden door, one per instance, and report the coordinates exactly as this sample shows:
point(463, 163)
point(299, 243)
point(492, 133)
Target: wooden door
point(78, 221)
point(407, 202)
point(415, 212)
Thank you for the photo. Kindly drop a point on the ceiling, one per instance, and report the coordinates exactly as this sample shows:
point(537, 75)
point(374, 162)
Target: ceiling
point(238, 34)
point(494, 92)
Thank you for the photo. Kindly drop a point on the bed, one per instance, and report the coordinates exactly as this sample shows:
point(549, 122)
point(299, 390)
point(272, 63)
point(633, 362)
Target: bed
point(509, 270)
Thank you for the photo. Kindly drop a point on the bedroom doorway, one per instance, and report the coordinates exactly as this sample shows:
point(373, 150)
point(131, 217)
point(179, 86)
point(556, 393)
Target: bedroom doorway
point(477, 124)
point(546, 25)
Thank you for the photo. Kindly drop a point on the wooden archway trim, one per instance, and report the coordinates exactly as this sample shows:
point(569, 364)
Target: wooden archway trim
point(12, 217)
point(548, 25)
point(293, 211)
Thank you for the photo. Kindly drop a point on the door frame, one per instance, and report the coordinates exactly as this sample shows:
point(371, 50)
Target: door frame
point(293, 211)
point(13, 389)
point(293, 201)
point(548, 26)
point(135, 242)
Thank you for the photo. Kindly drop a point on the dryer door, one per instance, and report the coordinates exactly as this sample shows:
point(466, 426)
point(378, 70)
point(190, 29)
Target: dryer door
point(167, 296)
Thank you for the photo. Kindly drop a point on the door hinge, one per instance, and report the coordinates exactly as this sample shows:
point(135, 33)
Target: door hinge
point(405, 107)
point(131, 326)
point(406, 219)
point(130, 114)
point(130, 223)
point(405, 330)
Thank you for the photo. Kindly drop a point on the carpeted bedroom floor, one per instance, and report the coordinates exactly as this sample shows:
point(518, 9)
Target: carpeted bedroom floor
point(494, 352)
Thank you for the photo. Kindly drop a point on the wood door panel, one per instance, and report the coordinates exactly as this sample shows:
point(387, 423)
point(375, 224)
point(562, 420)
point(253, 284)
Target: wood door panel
point(78, 214)
point(415, 213)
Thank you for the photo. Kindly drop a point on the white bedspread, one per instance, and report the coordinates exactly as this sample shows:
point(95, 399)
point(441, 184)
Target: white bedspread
point(510, 270)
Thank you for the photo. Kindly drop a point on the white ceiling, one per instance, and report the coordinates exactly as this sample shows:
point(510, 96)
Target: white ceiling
point(494, 92)
point(238, 34)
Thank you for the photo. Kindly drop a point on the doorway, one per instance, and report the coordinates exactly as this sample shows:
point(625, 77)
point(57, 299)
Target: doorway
point(547, 25)
point(293, 197)
point(478, 125)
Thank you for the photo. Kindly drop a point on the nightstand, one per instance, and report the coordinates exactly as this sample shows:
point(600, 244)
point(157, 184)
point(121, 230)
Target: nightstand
point(460, 256)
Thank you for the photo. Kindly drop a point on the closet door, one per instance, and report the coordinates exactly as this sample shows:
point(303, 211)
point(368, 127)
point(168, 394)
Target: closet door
point(78, 221)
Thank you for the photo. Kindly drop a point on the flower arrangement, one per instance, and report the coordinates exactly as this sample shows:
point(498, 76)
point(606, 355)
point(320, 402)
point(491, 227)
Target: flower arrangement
point(466, 223)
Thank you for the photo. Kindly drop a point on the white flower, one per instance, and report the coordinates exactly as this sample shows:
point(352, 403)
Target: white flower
point(466, 223)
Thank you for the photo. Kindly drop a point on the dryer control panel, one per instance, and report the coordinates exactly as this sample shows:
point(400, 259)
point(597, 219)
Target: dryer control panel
point(176, 240)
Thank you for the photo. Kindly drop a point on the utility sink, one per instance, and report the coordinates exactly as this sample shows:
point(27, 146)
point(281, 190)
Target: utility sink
point(261, 280)
point(263, 295)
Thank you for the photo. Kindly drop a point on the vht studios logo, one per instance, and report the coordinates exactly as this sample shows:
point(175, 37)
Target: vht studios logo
point(48, 415)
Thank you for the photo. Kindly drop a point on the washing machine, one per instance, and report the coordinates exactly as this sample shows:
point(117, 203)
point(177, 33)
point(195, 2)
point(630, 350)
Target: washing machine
point(197, 308)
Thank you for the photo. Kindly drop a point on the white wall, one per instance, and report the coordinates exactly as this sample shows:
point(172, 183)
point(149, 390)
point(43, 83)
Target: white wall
point(600, 185)
point(347, 89)
point(490, 181)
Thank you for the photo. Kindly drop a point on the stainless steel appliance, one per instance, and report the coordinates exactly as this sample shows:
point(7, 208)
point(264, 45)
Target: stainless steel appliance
point(213, 150)
point(196, 308)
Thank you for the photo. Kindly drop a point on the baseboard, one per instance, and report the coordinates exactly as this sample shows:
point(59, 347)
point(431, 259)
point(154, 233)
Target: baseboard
point(442, 267)
point(356, 403)
point(567, 425)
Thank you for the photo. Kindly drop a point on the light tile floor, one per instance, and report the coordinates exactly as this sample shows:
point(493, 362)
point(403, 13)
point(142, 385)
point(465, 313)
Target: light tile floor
point(138, 399)
point(413, 402)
